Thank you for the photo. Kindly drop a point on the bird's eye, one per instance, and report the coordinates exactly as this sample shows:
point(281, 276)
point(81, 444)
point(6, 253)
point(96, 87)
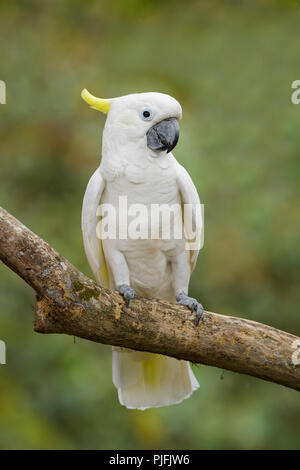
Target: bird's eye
point(146, 114)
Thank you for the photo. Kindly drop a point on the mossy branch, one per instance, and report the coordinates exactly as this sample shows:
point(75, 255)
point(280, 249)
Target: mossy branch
point(71, 303)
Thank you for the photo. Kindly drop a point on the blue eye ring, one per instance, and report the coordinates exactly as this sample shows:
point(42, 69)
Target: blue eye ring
point(146, 114)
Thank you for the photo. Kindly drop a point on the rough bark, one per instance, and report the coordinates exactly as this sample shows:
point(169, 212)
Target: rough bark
point(71, 303)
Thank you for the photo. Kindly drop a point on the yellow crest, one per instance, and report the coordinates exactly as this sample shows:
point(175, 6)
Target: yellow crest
point(96, 103)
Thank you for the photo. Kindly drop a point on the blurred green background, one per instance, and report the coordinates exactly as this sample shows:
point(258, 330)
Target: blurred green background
point(231, 65)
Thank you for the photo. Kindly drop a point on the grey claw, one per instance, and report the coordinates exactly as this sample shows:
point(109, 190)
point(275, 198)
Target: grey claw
point(192, 304)
point(127, 292)
point(199, 314)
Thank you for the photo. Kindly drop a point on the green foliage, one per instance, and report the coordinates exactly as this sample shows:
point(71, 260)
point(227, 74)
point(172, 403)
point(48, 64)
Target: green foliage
point(231, 65)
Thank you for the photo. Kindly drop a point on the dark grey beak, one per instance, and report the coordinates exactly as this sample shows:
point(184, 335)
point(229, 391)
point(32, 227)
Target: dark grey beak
point(163, 135)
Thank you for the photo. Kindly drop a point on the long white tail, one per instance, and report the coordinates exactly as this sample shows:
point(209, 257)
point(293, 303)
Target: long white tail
point(146, 380)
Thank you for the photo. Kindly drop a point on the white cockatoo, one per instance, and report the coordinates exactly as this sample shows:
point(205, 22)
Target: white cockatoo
point(139, 134)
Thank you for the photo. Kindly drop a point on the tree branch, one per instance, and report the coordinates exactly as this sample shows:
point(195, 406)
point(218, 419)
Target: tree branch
point(71, 303)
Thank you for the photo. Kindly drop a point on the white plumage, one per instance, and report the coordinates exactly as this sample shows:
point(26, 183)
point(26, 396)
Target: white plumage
point(158, 268)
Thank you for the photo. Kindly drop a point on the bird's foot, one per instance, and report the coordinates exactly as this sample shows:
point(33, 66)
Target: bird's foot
point(192, 304)
point(127, 292)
